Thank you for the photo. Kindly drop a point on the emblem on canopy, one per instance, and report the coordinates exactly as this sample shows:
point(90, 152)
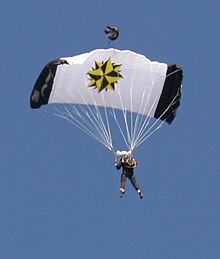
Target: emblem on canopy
point(104, 75)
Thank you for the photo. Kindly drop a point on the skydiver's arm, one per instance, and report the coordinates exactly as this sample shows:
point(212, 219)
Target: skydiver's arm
point(118, 164)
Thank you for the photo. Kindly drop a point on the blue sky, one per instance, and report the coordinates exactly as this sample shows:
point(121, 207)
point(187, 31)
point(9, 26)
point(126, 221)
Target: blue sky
point(58, 187)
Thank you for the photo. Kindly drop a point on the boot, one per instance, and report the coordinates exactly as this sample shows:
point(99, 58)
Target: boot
point(141, 195)
point(122, 192)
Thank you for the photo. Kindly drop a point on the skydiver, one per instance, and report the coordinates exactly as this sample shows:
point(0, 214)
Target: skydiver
point(128, 163)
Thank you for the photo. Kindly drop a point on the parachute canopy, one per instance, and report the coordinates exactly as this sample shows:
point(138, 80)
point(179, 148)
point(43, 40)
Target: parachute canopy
point(117, 80)
point(112, 32)
point(109, 78)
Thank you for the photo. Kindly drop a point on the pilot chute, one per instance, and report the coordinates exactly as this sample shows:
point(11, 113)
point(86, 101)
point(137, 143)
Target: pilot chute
point(112, 32)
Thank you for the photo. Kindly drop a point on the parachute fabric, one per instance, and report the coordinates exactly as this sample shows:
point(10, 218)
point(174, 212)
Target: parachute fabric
point(109, 81)
point(112, 32)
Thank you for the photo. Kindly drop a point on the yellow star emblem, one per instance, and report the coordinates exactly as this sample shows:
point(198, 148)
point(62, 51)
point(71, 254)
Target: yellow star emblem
point(104, 75)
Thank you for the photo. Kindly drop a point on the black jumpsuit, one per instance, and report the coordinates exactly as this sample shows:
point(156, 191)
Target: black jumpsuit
point(127, 172)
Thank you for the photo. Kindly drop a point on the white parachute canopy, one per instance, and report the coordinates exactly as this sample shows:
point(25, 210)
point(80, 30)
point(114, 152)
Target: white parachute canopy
point(106, 82)
point(110, 78)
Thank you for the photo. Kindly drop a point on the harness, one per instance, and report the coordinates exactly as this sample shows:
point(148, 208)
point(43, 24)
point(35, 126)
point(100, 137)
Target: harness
point(129, 162)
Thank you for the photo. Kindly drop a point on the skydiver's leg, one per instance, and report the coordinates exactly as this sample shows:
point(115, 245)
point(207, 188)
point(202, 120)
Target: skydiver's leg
point(134, 183)
point(136, 186)
point(123, 181)
point(122, 185)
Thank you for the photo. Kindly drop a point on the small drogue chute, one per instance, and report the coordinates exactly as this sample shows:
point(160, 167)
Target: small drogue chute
point(112, 32)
